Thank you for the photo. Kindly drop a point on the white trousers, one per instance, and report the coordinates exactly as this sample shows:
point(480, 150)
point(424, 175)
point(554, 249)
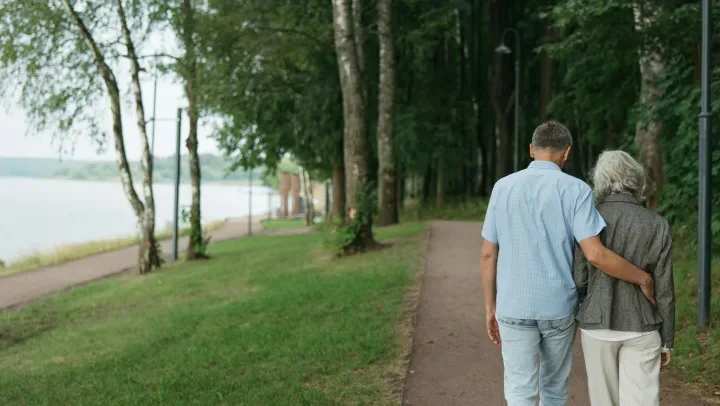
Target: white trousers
point(623, 373)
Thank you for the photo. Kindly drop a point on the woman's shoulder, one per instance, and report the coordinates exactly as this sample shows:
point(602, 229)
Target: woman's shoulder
point(628, 209)
point(655, 218)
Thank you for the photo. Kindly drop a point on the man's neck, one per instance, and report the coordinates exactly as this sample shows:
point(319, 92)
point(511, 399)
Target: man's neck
point(558, 162)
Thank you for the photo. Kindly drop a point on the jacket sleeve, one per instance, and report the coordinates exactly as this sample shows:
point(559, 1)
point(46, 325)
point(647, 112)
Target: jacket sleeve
point(665, 289)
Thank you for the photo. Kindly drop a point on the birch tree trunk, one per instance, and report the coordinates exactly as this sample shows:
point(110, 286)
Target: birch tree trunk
point(648, 132)
point(149, 254)
point(196, 243)
point(113, 94)
point(387, 193)
point(355, 149)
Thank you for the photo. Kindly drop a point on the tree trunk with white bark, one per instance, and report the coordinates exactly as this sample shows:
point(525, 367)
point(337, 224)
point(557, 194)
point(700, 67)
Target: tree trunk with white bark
point(149, 250)
point(197, 244)
point(149, 255)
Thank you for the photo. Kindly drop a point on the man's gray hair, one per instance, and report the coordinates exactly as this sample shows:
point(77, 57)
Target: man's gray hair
point(618, 172)
point(552, 135)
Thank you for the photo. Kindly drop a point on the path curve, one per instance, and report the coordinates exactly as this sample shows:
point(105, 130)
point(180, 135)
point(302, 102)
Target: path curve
point(453, 362)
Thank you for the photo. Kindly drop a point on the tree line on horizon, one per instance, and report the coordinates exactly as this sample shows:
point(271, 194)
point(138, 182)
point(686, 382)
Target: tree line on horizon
point(214, 169)
point(382, 98)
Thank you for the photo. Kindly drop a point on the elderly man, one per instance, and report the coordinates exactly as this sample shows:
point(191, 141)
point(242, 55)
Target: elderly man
point(534, 218)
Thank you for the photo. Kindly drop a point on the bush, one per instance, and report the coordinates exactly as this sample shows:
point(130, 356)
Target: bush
point(356, 235)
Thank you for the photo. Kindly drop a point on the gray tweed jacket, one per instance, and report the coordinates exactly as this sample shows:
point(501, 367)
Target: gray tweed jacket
point(642, 237)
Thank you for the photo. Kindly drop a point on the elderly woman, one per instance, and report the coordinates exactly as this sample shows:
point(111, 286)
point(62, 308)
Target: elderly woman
point(625, 337)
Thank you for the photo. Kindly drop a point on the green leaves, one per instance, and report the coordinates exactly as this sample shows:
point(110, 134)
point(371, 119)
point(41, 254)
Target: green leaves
point(598, 53)
point(47, 68)
point(273, 81)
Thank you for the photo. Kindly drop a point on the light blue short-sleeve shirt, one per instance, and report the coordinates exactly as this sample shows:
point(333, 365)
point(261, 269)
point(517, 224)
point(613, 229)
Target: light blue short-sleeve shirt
point(535, 216)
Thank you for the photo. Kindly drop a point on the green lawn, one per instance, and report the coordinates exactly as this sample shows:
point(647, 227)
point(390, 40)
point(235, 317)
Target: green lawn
point(269, 320)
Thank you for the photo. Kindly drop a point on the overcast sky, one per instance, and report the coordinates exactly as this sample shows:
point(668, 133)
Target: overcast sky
point(18, 142)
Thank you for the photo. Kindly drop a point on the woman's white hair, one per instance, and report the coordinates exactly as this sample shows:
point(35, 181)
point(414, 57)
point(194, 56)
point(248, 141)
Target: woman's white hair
point(618, 172)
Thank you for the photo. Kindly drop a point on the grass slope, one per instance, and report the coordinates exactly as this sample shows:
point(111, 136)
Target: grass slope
point(267, 321)
point(697, 353)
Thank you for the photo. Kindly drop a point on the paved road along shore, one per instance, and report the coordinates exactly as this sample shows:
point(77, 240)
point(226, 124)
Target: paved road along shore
point(24, 287)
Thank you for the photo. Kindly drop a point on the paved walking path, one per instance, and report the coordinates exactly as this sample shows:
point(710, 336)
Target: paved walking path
point(23, 287)
point(453, 362)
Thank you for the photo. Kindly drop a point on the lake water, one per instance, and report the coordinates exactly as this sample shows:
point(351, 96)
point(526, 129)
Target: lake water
point(40, 214)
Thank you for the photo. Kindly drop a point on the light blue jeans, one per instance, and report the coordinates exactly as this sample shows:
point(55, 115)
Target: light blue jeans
point(537, 356)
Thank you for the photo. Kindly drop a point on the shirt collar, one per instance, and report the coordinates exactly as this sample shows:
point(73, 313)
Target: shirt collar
point(620, 198)
point(544, 165)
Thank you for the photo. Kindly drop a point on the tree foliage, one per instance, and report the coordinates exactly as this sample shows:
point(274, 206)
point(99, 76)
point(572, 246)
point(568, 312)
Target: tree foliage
point(274, 81)
point(270, 77)
point(599, 89)
point(45, 66)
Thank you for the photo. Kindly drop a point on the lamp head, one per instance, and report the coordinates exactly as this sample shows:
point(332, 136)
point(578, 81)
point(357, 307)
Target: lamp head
point(503, 49)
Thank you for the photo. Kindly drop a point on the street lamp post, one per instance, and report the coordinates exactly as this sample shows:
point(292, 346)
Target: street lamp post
point(176, 199)
point(250, 203)
point(505, 50)
point(154, 116)
point(705, 195)
point(176, 205)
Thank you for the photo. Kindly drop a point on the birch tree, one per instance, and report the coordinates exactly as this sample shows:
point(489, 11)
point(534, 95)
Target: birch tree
point(59, 58)
point(188, 70)
point(149, 255)
point(181, 17)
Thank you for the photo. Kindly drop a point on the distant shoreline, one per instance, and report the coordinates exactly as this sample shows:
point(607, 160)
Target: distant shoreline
point(214, 169)
point(156, 181)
